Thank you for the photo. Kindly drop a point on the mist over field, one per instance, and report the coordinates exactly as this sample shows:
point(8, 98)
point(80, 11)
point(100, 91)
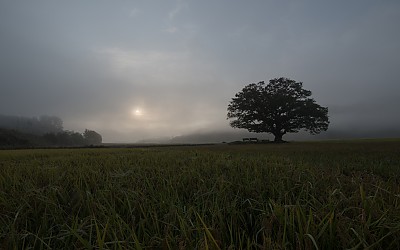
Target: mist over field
point(164, 124)
point(166, 70)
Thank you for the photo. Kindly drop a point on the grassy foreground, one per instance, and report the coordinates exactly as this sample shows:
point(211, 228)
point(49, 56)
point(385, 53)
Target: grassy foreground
point(315, 195)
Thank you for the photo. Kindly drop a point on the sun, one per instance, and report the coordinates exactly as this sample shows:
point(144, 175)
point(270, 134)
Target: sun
point(137, 112)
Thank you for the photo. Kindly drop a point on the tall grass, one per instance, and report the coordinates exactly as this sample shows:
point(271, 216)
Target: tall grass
point(292, 196)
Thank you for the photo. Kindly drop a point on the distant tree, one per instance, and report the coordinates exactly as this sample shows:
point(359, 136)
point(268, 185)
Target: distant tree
point(32, 125)
point(51, 139)
point(92, 137)
point(18, 131)
point(14, 139)
point(65, 138)
point(77, 138)
point(51, 124)
point(279, 107)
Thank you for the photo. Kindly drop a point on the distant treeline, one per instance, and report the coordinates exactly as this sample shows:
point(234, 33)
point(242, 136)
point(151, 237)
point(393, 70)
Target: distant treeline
point(32, 125)
point(45, 131)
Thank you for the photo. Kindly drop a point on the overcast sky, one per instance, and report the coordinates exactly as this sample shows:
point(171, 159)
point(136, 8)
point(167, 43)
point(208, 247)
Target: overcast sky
point(141, 69)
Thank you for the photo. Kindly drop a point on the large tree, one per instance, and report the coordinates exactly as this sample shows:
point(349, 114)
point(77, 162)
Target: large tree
point(279, 107)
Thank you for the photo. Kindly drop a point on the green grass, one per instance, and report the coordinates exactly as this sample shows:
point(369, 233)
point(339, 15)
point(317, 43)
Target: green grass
point(314, 195)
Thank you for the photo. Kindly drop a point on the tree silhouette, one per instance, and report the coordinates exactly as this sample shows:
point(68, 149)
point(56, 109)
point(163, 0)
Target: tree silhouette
point(279, 107)
point(92, 137)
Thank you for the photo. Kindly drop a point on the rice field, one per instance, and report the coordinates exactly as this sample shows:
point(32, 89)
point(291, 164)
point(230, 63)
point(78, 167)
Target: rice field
point(302, 195)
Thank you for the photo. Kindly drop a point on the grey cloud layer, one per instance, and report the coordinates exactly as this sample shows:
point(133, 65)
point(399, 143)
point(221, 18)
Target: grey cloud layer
point(93, 62)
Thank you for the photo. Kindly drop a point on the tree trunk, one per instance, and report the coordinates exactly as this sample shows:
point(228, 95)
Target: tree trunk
point(278, 137)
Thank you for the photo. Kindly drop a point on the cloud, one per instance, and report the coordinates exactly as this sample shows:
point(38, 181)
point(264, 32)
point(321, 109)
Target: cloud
point(175, 11)
point(182, 61)
point(134, 12)
point(172, 30)
point(160, 68)
point(173, 89)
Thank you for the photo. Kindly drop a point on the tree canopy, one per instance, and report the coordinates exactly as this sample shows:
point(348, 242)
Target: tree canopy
point(32, 125)
point(92, 137)
point(279, 107)
point(43, 131)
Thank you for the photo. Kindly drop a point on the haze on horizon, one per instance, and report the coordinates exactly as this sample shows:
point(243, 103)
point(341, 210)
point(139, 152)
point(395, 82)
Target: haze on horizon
point(133, 70)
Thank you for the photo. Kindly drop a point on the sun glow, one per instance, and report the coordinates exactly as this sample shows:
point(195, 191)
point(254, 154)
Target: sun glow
point(137, 112)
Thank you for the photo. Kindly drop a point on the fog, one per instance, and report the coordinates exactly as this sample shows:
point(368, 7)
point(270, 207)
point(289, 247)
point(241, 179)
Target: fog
point(139, 70)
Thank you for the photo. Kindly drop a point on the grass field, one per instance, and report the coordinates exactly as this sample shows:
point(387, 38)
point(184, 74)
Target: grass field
point(312, 195)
